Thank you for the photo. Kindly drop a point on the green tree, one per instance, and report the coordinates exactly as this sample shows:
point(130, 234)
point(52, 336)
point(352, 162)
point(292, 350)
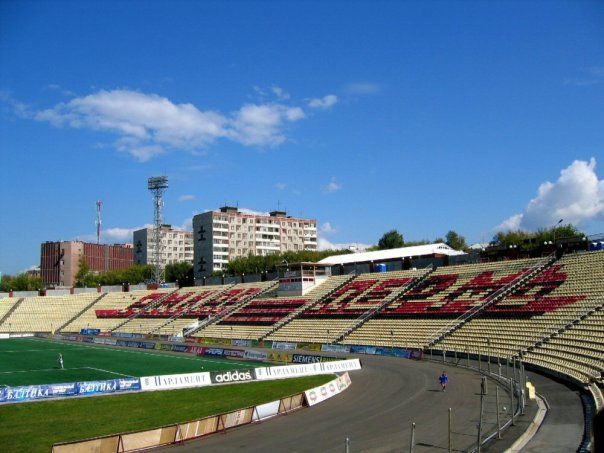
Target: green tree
point(531, 240)
point(254, 264)
point(181, 272)
point(391, 240)
point(21, 282)
point(84, 278)
point(456, 241)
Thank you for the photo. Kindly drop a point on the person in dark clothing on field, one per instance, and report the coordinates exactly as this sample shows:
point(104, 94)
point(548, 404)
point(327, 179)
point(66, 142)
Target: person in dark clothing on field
point(443, 380)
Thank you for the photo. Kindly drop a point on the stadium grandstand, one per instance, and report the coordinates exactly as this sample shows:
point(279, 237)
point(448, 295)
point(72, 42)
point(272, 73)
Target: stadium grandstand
point(546, 311)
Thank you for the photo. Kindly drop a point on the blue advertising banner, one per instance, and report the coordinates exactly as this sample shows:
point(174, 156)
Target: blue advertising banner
point(399, 352)
point(34, 392)
point(96, 387)
point(146, 345)
point(90, 331)
point(358, 349)
point(128, 384)
point(214, 352)
point(179, 348)
point(109, 386)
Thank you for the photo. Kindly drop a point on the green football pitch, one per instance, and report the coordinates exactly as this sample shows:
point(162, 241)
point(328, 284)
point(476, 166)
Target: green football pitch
point(32, 361)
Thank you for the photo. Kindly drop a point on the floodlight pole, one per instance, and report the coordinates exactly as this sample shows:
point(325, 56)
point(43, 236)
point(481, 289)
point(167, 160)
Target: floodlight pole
point(157, 185)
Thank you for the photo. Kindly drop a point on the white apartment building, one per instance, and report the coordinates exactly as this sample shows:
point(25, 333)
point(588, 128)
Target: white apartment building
point(220, 236)
point(176, 246)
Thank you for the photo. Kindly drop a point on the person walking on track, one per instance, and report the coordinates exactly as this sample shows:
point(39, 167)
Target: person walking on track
point(443, 380)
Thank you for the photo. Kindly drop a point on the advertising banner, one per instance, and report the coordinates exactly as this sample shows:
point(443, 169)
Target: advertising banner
point(416, 354)
point(197, 350)
point(217, 352)
point(309, 346)
point(229, 377)
point(326, 391)
point(179, 348)
point(127, 384)
point(267, 410)
point(147, 345)
point(175, 381)
point(234, 353)
point(283, 357)
point(358, 349)
point(255, 355)
point(35, 392)
point(309, 369)
point(242, 343)
point(90, 331)
point(283, 345)
point(303, 358)
point(335, 348)
point(96, 387)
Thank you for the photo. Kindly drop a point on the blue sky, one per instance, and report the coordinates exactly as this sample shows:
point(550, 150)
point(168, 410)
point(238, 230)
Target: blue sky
point(367, 116)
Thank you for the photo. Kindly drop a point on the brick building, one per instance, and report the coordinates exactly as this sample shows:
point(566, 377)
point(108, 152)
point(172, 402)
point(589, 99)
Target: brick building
point(60, 261)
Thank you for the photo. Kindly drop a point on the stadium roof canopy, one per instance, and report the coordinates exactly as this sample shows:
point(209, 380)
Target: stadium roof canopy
point(392, 254)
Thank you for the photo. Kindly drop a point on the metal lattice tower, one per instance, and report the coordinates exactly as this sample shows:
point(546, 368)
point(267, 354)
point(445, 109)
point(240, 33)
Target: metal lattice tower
point(157, 185)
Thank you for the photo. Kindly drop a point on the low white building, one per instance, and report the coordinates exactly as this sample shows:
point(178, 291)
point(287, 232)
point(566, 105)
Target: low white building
point(399, 258)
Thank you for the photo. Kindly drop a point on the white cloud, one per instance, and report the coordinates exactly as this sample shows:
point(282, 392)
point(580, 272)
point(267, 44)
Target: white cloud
point(57, 87)
point(324, 244)
point(148, 124)
point(363, 88)
point(323, 103)
point(114, 235)
point(577, 196)
point(252, 212)
point(281, 186)
point(333, 185)
point(262, 124)
point(187, 197)
point(512, 223)
point(327, 228)
point(589, 76)
point(33, 267)
point(187, 225)
point(281, 94)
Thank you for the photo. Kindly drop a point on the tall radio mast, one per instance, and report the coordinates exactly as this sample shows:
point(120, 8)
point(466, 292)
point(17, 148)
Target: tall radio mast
point(99, 207)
